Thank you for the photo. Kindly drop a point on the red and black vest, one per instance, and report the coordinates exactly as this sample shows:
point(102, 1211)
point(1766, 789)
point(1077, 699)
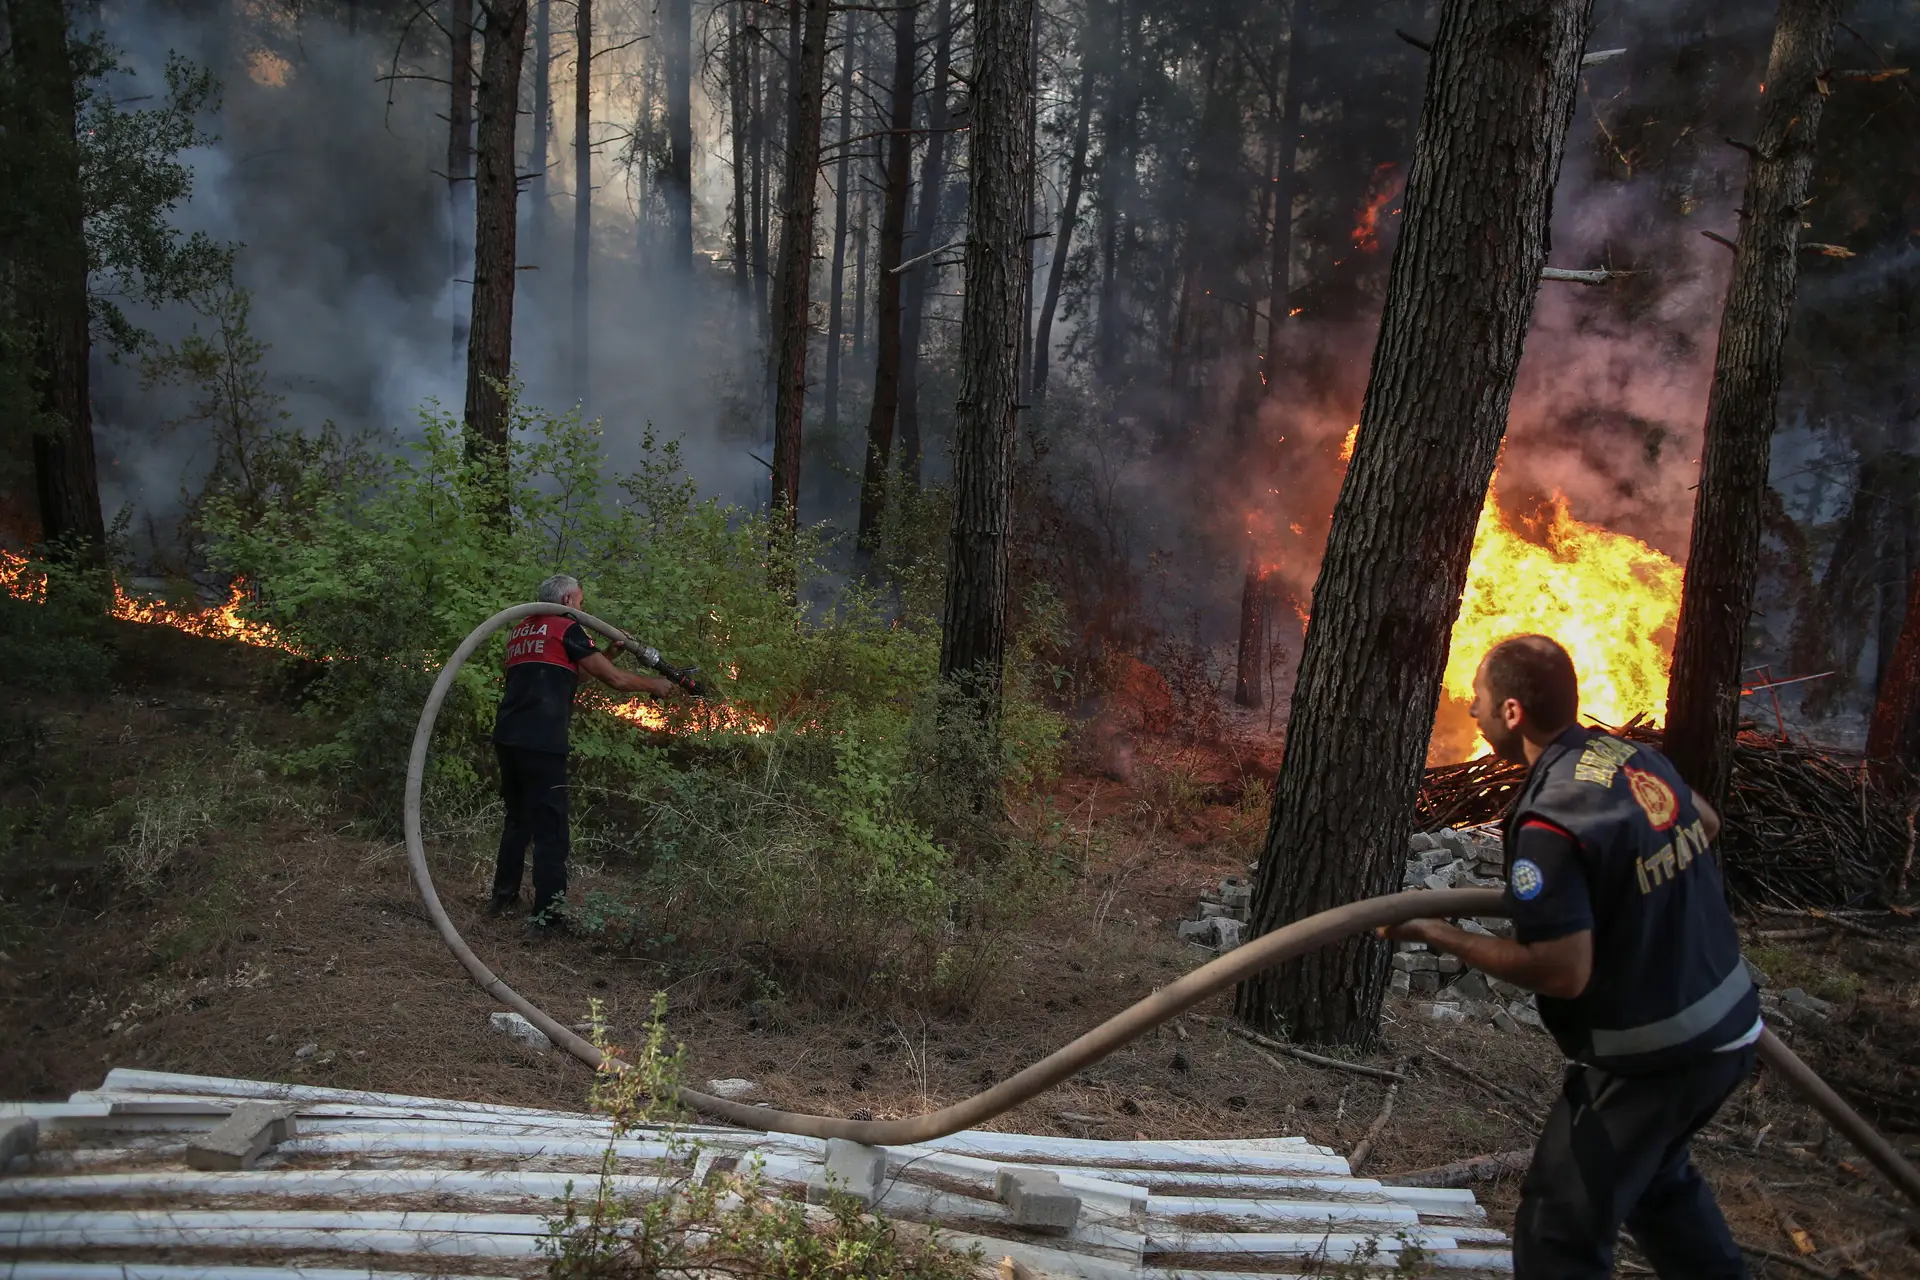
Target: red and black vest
point(543, 670)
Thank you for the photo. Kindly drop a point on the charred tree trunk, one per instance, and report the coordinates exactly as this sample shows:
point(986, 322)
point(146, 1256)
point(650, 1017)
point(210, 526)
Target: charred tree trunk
point(1069, 211)
point(1893, 735)
point(542, 123)
point(1114, 185)
point(796, 265)
point(582, 195)
point(49, 281)
point(679, 22)
point(757, 79)
point(1250, 672)
point(860, 276)
point(1829, 629)
point(738, 108)
point(836, 278)
point(460, 192)
point(893, 226)
point(1460, 293)
point(490, 346)
point(1703, 699)
point(973, 638)
point(913, 306)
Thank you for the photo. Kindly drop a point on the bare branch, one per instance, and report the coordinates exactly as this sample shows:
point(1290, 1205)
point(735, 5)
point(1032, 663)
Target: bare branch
point(1719, 239)
point(1599, 56)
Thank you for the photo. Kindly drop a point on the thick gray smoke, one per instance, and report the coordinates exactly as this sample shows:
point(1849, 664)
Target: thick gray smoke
point(331, 192)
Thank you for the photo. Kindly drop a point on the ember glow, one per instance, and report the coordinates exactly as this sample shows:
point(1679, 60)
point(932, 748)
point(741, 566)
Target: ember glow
point(1346, 446)
point(684, 717)
point(1609, 598)
point(1382, 191)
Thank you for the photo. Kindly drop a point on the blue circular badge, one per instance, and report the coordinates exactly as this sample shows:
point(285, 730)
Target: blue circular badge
point(1526, 879)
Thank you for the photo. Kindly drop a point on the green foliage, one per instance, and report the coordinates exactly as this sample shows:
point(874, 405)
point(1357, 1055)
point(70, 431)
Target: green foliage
point(807, 824)
point(53, 634)
point(731, 1224)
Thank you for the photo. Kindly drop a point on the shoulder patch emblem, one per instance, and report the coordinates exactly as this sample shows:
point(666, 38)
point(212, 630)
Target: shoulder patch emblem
point(1526, 879)
point(1654, 796)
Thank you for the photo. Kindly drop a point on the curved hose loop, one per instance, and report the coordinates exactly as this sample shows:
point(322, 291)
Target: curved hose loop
point(1243, 962)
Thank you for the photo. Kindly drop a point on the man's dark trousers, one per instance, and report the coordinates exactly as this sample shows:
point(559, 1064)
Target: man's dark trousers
point(1615, 1150)
point(533, 784)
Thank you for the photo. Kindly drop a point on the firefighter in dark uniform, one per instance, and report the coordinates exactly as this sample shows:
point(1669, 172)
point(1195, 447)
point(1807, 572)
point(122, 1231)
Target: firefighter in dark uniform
point(1621, 925)
point(545, 655)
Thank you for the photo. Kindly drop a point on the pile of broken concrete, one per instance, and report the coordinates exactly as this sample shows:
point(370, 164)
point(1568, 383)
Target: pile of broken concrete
point(1449, 992)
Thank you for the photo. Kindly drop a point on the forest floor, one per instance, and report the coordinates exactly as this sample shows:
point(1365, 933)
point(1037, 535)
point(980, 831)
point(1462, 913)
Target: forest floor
point(287, 929)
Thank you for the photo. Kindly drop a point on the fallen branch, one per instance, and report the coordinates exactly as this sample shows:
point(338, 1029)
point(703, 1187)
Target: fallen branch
point(1463, 1173)
point(1333, 1064)
point(1830, 250)
point(1510, 1096)
point(1826, 918)
point(1365, 1146)
point(1719, 239)
point(894, 271)
point(1774, 1255)
point(1599, 56)
point(1599, 275)
point(1791, 935)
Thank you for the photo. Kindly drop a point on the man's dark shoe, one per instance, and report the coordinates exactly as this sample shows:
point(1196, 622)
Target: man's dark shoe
point(503, 903)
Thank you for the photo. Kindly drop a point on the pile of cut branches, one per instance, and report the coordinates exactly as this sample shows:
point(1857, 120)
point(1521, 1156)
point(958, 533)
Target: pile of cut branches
point(1803, 828)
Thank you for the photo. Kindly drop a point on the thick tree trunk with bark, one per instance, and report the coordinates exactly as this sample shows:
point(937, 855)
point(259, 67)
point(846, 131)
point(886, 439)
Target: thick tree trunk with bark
point(542, 123)
point(757, 134)
point(1284, 142)
point(582, 195)
point(836, 278)
point(1115, 182)
point(796, 265)
point(860, 275)
point(1460, 293)
point(49, 282)
point(490, 343)
point(460, 192)
point(679, 33)
point(1703, 697)
point(1893, 735)
point(913, 304)
point(893, 227)
point(973, 638)
point(1069, 212)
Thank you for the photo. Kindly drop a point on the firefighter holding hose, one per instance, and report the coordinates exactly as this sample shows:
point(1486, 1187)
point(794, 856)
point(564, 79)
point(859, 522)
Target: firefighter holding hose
point(546, 654)
point(1621, 925)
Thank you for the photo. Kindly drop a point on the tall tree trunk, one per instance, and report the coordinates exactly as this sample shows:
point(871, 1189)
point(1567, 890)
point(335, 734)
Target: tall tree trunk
point(1069, 211)
point(49, 281)
point(973, 638)
point(1893, 735)
point(913, 305)
point(738, 108)
point(1460, 294)
point(460, 192)
point(796, 265)
point(679, 21)
point(1703, 698)
point(490, 347)
point(582, 195)
point(1115, 184)
point(757, 80)
point(860, 276)
point(542, 123)
point(893, 226)
point(786, 70)
point(1250, 672)
point(836, 278)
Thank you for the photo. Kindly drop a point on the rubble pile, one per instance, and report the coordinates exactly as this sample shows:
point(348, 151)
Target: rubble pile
point(1449, 858)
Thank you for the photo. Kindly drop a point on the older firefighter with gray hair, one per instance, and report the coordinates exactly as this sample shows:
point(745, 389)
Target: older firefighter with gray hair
point(545, 655)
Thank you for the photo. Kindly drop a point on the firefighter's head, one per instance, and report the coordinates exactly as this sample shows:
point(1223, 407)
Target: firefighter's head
point(1525, 689)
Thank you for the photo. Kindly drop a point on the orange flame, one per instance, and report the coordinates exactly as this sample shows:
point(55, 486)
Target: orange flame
point(1381, 191)
point(1610, 599)
point(1346, 446)
point(224, 622)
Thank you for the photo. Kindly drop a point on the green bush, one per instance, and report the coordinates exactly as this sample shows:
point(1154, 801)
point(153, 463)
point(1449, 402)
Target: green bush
point(826, 845)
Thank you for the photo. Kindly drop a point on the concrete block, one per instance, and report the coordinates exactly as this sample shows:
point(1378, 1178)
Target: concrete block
point(1506, 990)
point(18, 1137)
point(852, 1169)
point(1236, 892)
point(1438, 1012)
point(1226, 933)
point(1400, 984)
point(512, 1024)
point(1422, 841)
point(1474, 926)
point(732, 1087)
point(1525, 1015)
point(1196, 930)
point(248, 1132)
point(1504, 1020)
point(1208, 910)
point(1472, 985)
point(1037, 1200)
point(1402, 962)
point(1422, 962)
point(1425, 981)
point(1755, 972)
point(1437, 881)
point(1799, 1002)
point(1449, 964)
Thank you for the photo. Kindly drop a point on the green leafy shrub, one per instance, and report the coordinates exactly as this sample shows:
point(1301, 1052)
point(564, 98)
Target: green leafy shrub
point(809, 827)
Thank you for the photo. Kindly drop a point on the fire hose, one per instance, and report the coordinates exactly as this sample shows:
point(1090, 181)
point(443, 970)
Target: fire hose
point(1284, 943)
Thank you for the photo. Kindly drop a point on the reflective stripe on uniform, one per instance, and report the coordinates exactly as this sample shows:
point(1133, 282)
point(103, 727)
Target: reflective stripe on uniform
point(1696, 1019)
